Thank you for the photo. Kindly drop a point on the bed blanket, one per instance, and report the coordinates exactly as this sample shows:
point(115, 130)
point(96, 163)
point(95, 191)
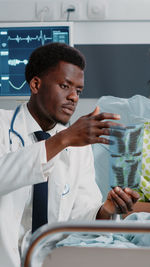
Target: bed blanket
point(120, 240)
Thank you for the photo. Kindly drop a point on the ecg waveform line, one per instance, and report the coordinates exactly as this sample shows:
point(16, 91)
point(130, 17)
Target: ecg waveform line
point(15, 62)
point(17, 88)
point(42, 37)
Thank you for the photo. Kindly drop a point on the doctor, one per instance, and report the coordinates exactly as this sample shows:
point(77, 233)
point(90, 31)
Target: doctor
point(55, 74)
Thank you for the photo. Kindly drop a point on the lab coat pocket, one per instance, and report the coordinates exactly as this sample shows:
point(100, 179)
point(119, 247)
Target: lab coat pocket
point(59, 187)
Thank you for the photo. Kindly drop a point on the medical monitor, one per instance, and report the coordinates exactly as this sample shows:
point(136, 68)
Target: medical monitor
point(17, 41)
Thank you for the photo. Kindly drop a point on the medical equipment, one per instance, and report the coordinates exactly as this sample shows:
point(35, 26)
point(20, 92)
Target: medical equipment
point(43, 252)
point(17, 41)
point(11, 130)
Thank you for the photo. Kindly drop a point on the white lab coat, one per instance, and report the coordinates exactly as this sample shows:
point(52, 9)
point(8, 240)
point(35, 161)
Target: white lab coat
point(21, 168)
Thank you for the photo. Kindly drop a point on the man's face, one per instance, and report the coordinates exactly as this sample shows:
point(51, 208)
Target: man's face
point(58, 93)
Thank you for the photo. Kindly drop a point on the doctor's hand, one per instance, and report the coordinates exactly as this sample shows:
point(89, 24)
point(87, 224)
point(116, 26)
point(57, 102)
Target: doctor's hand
point(89, 128)
point(118, 201)
point(86, 130)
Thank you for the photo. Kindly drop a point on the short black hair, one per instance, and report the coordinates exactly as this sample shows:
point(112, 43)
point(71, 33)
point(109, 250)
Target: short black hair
point(48, 56)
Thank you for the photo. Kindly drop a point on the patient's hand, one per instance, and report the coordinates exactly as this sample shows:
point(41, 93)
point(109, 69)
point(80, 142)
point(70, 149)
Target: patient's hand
point(118, 201)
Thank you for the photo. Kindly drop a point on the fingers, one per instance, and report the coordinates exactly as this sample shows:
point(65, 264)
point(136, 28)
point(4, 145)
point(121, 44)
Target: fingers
point(95, 112)
point(101, 140)
point(100, 120)
point(117, 207)
point(107, 116)
point(103, 115)
point(107, 124)
point(134, 195)
point(122, 201)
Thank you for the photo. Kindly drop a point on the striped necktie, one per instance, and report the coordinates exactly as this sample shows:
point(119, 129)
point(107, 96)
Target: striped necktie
point(40, 195)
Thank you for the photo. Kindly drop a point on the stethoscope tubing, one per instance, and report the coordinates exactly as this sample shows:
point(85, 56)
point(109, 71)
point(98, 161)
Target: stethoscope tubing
point(11, 130)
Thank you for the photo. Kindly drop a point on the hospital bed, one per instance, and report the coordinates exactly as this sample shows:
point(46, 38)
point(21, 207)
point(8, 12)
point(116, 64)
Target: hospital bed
point(43, 251)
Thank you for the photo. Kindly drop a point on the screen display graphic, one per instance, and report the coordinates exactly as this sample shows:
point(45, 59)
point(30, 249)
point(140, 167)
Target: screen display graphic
point(16, 45)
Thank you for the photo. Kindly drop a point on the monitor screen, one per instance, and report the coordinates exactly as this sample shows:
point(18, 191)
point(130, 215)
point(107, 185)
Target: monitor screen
point(17, 41)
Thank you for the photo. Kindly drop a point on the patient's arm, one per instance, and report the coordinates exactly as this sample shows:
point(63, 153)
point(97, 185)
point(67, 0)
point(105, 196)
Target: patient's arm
point(139, 207)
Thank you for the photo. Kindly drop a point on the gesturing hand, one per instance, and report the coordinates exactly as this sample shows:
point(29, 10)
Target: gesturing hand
point(89, 129)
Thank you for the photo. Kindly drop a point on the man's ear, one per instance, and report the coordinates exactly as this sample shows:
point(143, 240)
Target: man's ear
point(35, 84)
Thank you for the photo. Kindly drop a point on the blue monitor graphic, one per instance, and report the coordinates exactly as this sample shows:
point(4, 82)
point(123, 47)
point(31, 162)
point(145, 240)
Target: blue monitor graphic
point(17, 41)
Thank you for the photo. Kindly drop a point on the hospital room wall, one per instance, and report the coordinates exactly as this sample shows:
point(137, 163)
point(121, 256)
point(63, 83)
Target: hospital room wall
point(116, 46)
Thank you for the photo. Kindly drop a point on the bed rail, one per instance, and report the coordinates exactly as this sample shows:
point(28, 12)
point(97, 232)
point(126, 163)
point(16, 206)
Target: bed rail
point(47, 232)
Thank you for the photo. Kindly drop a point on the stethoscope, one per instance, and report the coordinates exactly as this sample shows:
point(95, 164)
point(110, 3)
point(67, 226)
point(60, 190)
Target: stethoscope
point(11, 130)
